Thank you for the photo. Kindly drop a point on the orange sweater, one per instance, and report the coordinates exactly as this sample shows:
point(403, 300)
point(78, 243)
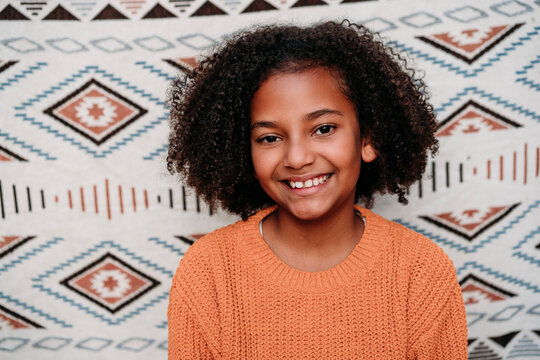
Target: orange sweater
point(395, 296)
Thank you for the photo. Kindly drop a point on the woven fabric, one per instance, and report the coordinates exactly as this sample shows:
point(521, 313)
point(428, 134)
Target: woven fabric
point(92, 226)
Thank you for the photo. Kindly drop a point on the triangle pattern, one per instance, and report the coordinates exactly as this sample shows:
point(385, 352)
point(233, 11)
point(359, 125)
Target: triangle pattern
point(259, 5)
point(503, 340)
point(525, 348)
point(158, 12)
point(109, 13)
point(10, 13)
point(476, 290)
point(189, 239)
point(470, 341)
point(9, 243)
point(208, 9)
point(10, 320)
point(484, 352)
point(473, 118)
point(470, 223)
point(470, 44)
point(7, 155)
point(59, 13)
point(132, 6)
point(301, 3)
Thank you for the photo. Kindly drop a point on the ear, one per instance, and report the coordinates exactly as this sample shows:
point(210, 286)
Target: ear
point(368, 152)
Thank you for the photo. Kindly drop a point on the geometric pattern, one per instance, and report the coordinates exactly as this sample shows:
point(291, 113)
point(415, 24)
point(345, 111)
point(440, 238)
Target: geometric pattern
point(472, 117)
point(470, 223)
point(471, 43)
point(95, 111)
point(110, 282)
point(92, 227)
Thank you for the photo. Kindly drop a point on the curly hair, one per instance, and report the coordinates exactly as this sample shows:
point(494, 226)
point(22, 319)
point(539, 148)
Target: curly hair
point(209, 143)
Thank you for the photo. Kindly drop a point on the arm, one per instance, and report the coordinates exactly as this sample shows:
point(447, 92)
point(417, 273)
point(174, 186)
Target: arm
point(185, 338)
point(436, 313)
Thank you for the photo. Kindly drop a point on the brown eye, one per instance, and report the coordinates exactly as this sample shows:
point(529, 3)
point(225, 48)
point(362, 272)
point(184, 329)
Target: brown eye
point(268, 139)
point(325, 129)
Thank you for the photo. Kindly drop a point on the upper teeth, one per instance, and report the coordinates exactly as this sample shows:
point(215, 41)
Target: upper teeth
point(309, 183)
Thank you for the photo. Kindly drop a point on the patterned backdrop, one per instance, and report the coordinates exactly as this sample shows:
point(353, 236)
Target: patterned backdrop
point(92, 227)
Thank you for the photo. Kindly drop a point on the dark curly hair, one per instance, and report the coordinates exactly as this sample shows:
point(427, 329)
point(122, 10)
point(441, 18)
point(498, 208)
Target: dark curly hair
point(209, 143)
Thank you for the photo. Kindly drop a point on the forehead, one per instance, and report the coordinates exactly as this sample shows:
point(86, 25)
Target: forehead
point(298, 93)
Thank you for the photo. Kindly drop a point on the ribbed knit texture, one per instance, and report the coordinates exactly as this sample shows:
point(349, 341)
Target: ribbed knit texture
point(395, 296)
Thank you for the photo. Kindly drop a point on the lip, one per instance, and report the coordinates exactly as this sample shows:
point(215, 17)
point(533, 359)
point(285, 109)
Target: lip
point(307, 191)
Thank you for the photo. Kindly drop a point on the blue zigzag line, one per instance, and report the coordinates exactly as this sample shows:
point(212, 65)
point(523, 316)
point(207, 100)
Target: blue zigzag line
point(74, 142)
point(88, 252)
point(162, 325)
point(498, 275)
point(481, 244)
point(496, 99)
point(26, 146)
point(529, 66)
point(527, 258)
point(529, 83)
point(29, 254)
point(154, 70)
point(422, 55)
point(34, 310)
point(86, 70)
point(168, 246)
point(101, 317)
point(156, 152)
point(22, 74)
point(526, 238)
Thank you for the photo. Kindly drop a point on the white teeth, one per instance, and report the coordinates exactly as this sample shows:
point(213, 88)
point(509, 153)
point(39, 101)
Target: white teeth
point(309, 183)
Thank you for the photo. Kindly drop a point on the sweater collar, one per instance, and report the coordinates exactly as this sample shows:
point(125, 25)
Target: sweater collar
point(361, 258)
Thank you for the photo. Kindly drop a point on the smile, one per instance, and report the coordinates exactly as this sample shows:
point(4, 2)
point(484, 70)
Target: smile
point(318, 180)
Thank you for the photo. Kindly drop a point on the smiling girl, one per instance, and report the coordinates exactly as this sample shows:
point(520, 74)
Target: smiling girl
point(289, 127)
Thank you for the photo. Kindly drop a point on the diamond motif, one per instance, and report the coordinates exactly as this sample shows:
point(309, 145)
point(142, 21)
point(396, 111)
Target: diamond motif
point(472, 117)
point(470, 223)
point(470, 44)
point(6, 155)
point(10, 243)
point(187, 65)
point(10, 320)
point(110, 283)
point(95, 111)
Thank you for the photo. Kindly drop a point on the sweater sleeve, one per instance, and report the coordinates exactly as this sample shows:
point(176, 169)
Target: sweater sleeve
point(436, 312)
point(193, 314)
point(185, 338)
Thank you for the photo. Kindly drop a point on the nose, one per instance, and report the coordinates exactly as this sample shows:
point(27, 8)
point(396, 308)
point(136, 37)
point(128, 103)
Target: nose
point(298, 154)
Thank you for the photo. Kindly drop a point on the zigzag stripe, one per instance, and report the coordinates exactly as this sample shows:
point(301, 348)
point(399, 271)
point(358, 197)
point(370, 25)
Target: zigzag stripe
point(496, 99)
point(458, 70)
point(498, 275)
point(527, 258)
point(167, 246)
point(156, 152)
point(162, 325)
point(154, 70)
point(29, 254)
point(22, 74)
point(529, 83)
point(26, 146)
point(34, 310)
point(472, 249)
point(101, 245)
point(526, 238)
point(529, 66)
point(118, 321)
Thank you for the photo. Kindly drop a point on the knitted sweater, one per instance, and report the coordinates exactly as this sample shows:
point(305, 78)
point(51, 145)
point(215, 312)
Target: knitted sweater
point(395, 296)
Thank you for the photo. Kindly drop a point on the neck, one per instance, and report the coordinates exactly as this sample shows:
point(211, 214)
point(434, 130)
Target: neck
point(333, 235)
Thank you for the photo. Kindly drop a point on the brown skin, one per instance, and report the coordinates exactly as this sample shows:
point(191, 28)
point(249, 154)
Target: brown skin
point(303, 127)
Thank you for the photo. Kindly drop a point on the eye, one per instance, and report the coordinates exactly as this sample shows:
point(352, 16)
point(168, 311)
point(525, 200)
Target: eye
point(324, 129)
point(269, 139)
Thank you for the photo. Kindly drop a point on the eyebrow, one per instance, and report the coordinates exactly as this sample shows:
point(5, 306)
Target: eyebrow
point(308, 117)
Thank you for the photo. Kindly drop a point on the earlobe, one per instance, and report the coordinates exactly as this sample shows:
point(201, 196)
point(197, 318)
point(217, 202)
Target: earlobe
point(368, 153)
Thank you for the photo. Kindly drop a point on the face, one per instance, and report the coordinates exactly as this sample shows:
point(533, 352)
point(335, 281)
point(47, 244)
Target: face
point(306, 145)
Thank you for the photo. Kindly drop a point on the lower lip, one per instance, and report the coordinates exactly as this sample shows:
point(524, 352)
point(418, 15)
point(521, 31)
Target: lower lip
point(309, 190)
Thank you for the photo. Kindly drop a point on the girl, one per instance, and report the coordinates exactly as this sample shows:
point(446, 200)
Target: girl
point(303, 123)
